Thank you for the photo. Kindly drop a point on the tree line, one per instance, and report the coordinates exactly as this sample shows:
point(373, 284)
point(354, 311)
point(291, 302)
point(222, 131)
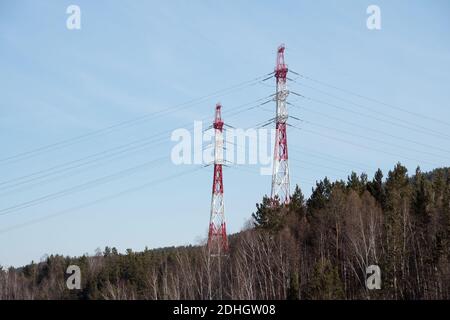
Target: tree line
point(315, 248)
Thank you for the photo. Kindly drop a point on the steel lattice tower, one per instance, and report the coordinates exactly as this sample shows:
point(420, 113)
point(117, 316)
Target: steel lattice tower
point(217, 235)
point(280, 175)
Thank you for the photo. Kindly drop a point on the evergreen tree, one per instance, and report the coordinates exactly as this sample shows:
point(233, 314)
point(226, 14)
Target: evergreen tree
point(421, 199)
point(320, 195)
point(376, 188)
point(396, 214)
point(268, 215)
point(409, 238)
point(325, 282)
point(357, 183)
point(107, 251)
point(297, 203)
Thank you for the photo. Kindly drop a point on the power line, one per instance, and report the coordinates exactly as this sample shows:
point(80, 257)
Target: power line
point(314, 153)
point(368, 128)
point(64, 167)
point(373, 139)
point(314, 165)
point(399, 122)
point(327, 157)
point(78, 188)
point(104, 199)
point(358, 145)
point(63, 143)
point(324, 156)
point(249, 170)
point(103, 155)
point(419, 115)
point(396, 124)
point(369, 138)
point(64, 174)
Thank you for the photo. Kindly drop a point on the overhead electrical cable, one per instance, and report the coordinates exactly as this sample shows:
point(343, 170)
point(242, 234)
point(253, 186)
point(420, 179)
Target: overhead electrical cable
point(66, 142)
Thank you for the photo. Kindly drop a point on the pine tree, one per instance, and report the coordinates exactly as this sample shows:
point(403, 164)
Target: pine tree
point(268, 215)
point(319, 195)
point(396, 215)
point(421, 199)
point(297, 203)
point(376, 188)
point(357, 183)
point(325, 282)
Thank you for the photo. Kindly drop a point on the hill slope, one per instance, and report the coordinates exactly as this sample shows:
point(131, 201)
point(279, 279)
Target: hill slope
point(314, 249)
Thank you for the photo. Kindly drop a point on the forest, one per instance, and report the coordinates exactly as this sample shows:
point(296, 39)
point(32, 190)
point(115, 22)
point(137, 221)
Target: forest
point(315, 248)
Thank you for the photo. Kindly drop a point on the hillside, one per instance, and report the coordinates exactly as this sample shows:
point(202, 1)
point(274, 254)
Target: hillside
point(317, 248)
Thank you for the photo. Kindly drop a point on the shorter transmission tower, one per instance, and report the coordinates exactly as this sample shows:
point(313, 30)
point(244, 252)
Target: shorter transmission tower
point(217, 235)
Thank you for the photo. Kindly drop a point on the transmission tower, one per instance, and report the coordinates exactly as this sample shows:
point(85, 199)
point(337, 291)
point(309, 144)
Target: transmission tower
point(280, 175)
point(217, 235)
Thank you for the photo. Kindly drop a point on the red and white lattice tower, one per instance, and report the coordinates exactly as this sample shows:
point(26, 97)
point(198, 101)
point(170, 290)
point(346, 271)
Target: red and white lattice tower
point(280, 175)
point(217, 235)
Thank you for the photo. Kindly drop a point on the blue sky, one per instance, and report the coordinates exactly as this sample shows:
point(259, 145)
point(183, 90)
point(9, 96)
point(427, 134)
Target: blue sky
point(135, 59)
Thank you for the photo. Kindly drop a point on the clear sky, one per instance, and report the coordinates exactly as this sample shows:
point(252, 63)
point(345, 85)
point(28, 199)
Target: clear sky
point(133, 59)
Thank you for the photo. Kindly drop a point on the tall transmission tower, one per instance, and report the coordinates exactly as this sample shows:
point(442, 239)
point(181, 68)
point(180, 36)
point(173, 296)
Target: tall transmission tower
point(280, 174)
point(217, 235)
